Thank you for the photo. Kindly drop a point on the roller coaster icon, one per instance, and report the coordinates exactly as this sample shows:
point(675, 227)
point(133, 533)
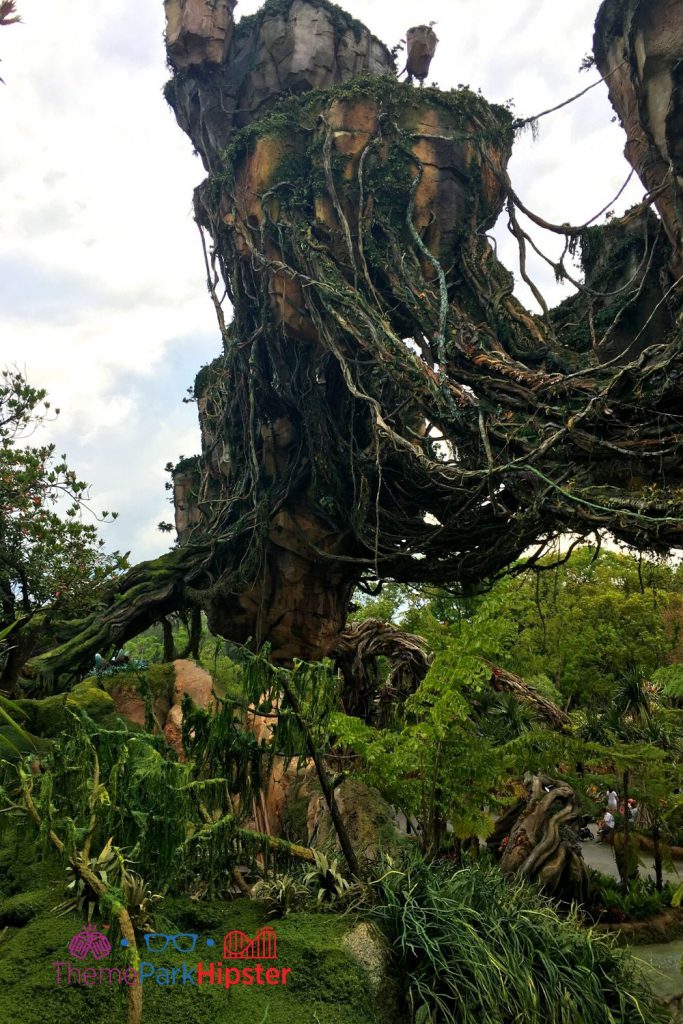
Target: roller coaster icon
point(238, 946)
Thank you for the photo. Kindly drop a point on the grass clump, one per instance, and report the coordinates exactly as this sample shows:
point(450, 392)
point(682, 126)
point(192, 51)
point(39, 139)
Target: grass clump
point(472, 947)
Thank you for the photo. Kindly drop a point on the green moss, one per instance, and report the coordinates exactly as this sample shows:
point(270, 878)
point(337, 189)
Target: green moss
point(88, 696)
point(158, 680)
point(292, 112)
point(16, 911)
point(295, 820)
point(161, 679)
point(341, 19)
point(325, 985)
point(50, 716)
point(188, 465)
point(206, 375)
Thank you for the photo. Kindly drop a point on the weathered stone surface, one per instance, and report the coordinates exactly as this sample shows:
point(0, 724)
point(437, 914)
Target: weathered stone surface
point(301, 587)
point(169, 684)
point(367, 946)
point(130, 704)
point(639, 47)
point(451, 156)
point(186, 480)
point(194, 682)
point(198, 31)
point(367, 816)
point(421, 44)
point(309, 46)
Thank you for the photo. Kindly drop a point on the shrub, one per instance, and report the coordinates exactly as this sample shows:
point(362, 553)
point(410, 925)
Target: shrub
point(473, 947)
point(641, 901)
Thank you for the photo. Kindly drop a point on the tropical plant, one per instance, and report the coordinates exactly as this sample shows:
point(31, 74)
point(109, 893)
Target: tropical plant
point(116, 878)
point(281, 895)
point(639, 901)
point(331, 885)
point(472, 947)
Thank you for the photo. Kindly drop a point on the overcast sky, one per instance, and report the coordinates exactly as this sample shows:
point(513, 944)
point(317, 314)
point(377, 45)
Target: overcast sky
point(102, 295)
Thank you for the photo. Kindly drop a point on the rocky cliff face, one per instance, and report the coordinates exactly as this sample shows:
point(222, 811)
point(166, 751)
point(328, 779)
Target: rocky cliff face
point(639, 49)
point(227, 76)
point(198, 31)
point(383, 404)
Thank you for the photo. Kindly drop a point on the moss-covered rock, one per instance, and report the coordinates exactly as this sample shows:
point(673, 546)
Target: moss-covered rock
point(50, 716)
point(142, 696)
point(16, 911)
point(326, 983)
point(90, 697)
point(368, 818)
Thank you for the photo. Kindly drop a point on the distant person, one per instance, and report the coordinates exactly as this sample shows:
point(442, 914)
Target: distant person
point(612, 801)
point(606, 826)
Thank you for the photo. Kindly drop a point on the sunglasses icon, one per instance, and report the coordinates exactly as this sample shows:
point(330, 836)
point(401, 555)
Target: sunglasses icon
point(183, 942)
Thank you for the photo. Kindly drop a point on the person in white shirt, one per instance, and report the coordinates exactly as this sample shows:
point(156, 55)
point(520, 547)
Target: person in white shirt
point(606, 826)
point(612, 801)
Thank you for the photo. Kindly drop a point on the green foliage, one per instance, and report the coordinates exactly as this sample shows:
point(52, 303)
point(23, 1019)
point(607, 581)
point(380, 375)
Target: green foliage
point(122, 886)
point(51, 716)
point(472, 947)
point(327, 879)
point(592, 631)
point(281, 895)
point(670, 678)
point(326, 982)
point(577, 629)
point(51, 558)
point(436, 766)
point(16, 911)
point(14, 739)
point(320, 887)
point(639, 902)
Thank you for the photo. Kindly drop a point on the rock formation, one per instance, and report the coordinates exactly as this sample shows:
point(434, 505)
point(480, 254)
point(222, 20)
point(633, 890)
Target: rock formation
point(198, 31)
point(291, 48)
point(639, 50)
point(384, 406)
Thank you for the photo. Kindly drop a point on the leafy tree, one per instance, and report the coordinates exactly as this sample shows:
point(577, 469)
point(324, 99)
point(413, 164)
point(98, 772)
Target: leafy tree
point(8, 14)
point(52, 561)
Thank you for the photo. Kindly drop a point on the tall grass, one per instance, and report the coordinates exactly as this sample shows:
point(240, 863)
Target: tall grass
point(474, 948)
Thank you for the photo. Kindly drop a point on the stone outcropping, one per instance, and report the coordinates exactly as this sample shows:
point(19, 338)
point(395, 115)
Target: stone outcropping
point(284, 49)
point(198, 31)
point(639, 49)
point(185, 678)
point(300, 591)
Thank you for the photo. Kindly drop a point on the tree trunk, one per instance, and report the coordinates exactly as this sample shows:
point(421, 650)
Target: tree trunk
point(169, 644)
point(622, 845)
point(657, 853)
point(328, 792)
